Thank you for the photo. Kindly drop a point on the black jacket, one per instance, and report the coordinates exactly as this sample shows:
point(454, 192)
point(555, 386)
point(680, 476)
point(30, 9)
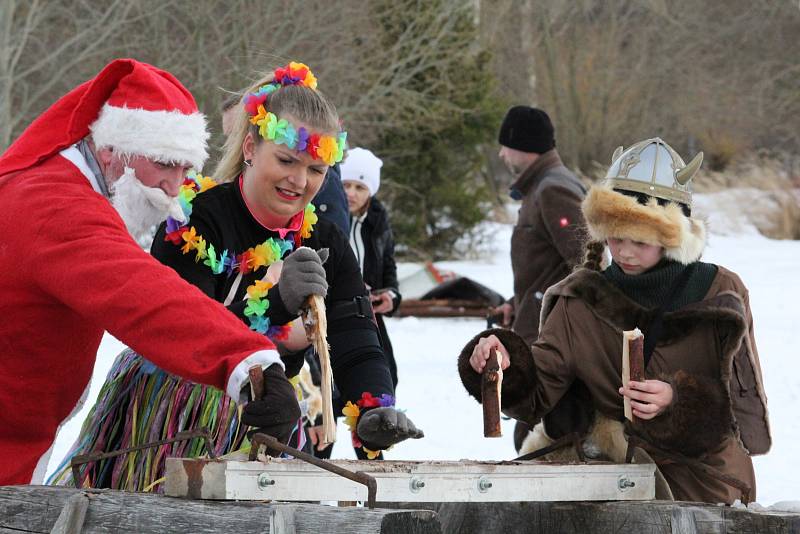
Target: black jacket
point(380, 269)
point(331, 200)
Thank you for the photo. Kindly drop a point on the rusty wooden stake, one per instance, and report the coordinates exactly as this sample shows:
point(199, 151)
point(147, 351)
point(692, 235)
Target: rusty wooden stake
point(632, 363)
point(256, 382)
point(491, 390)
point(358, 476)
point(573, 439)
point(82, 459)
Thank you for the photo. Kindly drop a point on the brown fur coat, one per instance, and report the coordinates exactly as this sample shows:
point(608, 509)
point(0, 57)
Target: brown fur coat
point(706, 352)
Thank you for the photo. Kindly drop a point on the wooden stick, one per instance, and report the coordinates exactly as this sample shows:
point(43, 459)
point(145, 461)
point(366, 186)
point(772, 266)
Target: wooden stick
point(256, 382)
point(491, 389)
point(632, 363)
point(316, 325)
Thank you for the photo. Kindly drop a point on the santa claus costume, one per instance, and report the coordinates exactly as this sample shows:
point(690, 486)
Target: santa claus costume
point(79, 272)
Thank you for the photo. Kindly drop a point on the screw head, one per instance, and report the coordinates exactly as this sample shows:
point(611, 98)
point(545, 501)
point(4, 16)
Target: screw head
point(416, 484)
point(265, 481)
point(484, 484)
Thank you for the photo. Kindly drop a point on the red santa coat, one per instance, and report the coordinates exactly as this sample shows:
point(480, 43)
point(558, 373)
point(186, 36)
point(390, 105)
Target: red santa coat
point(70, 270)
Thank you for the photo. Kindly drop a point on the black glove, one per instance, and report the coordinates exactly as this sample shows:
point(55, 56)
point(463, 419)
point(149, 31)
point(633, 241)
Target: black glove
point(380, 428)
point(293, 362)
point(302, 275)
point(277, 412)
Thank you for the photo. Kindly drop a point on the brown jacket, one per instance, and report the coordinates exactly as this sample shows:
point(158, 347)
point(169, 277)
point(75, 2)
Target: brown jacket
point(547, 241)
point(707, 353)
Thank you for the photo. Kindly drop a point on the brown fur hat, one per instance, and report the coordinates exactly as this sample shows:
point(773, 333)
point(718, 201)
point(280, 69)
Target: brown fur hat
point(609, 213)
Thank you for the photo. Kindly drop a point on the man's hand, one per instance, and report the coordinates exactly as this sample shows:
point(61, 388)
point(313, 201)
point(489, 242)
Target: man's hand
point(506, 310)
point(380, 428)
point(302, 275)
point(483, 350)
point(277, 412)
point(649, 398)
point(382, 302)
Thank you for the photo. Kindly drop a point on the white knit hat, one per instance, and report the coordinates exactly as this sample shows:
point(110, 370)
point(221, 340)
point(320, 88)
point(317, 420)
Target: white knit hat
point(362, 166)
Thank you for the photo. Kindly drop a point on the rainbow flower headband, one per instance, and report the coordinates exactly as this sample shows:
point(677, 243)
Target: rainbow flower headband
point(327, 148)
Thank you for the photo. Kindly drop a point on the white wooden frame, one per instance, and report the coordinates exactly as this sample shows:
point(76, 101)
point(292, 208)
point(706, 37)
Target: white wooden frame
point(407, 481)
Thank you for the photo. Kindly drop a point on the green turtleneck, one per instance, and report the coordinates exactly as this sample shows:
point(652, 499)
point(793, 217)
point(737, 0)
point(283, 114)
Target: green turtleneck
point(650, 289)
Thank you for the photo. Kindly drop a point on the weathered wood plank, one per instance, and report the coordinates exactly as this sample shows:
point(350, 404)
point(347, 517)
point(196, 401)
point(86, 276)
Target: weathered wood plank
point(72, 515)
point(37, 508)
point(644, 517)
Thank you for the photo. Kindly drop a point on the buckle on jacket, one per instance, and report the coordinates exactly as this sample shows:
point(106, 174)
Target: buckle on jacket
point(363, 307)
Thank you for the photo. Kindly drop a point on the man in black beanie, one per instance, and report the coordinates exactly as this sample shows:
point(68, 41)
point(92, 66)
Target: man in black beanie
point(547, 242)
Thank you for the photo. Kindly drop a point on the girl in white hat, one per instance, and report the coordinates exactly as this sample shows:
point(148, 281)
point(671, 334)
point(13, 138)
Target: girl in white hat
point(371, 238)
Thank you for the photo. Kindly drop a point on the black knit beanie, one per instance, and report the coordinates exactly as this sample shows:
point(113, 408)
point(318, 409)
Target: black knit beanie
point(527, 129)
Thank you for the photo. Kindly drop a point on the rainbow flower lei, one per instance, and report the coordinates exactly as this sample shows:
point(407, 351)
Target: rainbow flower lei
point(327, 148)
point(251, 260)
point(353, 411)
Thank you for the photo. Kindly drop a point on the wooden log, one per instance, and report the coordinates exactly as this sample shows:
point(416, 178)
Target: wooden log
point(628, 517)
point(37, 509)
point(632, 363)
point(442, 308)
point(491, 391)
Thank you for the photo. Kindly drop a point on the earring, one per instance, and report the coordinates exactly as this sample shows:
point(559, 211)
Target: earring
point(248, 162)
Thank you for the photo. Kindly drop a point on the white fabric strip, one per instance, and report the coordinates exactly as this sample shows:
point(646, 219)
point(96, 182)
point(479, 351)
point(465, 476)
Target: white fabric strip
point(234, 289)
point(239, 377)
point(356, 240)
point(44, 459)
point(74, 156)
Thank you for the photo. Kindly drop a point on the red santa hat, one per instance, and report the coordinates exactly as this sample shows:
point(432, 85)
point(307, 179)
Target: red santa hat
point(130, 106)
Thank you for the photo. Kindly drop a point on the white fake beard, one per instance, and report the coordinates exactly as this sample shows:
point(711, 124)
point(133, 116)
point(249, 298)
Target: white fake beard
point(142, 208)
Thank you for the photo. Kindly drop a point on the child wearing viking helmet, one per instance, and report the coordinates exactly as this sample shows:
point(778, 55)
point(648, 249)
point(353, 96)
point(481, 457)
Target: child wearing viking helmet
point(702, 411)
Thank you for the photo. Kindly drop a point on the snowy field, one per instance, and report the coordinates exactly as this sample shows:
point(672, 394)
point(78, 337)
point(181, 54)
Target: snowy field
point(431, 393)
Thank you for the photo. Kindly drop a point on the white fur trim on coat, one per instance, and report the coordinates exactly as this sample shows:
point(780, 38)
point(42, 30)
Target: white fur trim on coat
point(239, 377)
point(168, 136)
point(612, 214)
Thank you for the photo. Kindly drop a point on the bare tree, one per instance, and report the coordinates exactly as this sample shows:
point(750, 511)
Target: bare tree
point(611, 72)
point(43, 47)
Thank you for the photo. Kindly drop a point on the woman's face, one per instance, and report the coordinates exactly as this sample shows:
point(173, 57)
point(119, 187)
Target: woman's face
point(281, 181)
point(634, 257)
point(357, 196)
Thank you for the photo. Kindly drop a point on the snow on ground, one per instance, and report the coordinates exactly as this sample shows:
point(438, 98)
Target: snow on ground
point(431, 393)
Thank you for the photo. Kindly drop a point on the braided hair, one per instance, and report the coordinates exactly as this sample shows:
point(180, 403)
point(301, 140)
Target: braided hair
point(593, 258)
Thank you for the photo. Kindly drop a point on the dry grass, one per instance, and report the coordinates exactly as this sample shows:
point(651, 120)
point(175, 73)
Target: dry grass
point(769, 193)
point(759, 170)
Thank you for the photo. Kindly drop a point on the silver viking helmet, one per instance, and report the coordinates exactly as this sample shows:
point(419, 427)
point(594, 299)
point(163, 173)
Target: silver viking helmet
point(651, 167)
